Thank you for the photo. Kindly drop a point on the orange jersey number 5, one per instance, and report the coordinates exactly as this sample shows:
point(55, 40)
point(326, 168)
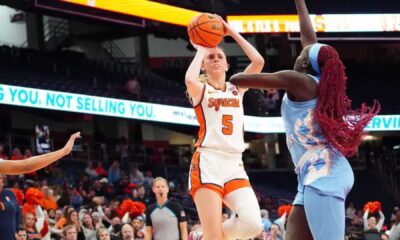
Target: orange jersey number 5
point(228, 125)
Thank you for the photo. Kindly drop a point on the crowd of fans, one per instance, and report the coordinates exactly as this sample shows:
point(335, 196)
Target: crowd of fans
point(86, 206)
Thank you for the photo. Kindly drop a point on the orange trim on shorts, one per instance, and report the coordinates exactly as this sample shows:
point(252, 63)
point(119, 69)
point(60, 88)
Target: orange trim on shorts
point(195, 178)
point(235, 184)
point(202, 121)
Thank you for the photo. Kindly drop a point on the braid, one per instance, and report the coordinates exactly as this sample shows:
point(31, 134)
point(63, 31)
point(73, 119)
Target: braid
point(342, 126)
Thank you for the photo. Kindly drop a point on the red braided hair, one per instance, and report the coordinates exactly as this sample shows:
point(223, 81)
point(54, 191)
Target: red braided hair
point(342, 126)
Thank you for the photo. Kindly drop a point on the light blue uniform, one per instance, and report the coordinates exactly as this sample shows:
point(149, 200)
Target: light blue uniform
point(324, 175)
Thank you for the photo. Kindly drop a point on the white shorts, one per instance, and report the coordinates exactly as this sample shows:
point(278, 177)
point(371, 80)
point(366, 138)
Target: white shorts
point(218, 171)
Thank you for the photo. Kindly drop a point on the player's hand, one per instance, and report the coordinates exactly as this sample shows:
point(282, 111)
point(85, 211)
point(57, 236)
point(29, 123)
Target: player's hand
point(228, 29)
point(68, 146)
point(200, 48)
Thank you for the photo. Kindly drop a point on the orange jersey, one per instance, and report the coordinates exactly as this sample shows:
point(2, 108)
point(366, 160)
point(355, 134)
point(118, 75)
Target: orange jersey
point(221, 118)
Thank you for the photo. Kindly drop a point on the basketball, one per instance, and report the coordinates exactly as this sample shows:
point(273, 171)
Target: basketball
point(206, 30)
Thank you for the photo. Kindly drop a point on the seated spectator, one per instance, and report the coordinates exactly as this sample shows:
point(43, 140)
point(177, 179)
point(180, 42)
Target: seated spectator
point(148, 179)
point(49, 201)
point(100, 170)
point(76, 199)
point(21, 234)
point(17, 155)
point(136, 176)
point(70, 232)
point(393, 216)
point(274, 232)
point(265, 219)
point(88, 226)
point(91, 171)
point(384, 236)
point(127, 232)
point(27, 153)
point(138, 228)
point(103, 234)
point(132, 86)
point(141, 196)
point(73, 219)
point(61, 220)
point(350, 212)
point(30, 226)
point(114, 173)
point(395, 230)
point(115, 227)
point(271, 100)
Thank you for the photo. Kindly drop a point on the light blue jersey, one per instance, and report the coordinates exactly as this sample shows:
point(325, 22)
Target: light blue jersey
point(317, 163)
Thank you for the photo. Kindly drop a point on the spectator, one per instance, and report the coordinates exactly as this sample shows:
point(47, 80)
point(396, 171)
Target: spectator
point(160, 224)
point(274, 232)
point(76, 199)
point(265, 219)
point(132, 86)
point(127, 232)
point(142, 196)
point(148, 180)
point(395, 230)
point(350, 212)
point(10, 214)
point(51, 217)
point(30, 226)
point(115, 227)
point(393, 216)
point(17, 155)
point(271, 100)
point(21, 234)
point(114, 173)
point(89, 229)
point(91, 171)
point(137, 176)
point(27, 153)
point(62, 221)
point(370, 224)
point(100, 170)
point(72, 219)
point(70, 232)
point(106, 216)
point(103, 234)
point(97, 220)
point(138, 224)
point(58, 215)
point(100, 187)
point(49, 202)
point(358, 220)
point(384, 236)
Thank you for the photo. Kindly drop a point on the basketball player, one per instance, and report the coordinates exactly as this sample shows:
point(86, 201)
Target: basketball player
point(216, 173)
point(321, 130)
point(37, 162)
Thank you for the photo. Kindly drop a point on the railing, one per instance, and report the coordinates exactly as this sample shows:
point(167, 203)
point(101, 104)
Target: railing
point(55, 31)
point(386, 166)
point(116, 54)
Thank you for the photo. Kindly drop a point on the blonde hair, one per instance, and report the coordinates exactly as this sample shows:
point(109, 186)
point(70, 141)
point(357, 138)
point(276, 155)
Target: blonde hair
point(159, 179)
point(203, 78)
point(69, 227)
